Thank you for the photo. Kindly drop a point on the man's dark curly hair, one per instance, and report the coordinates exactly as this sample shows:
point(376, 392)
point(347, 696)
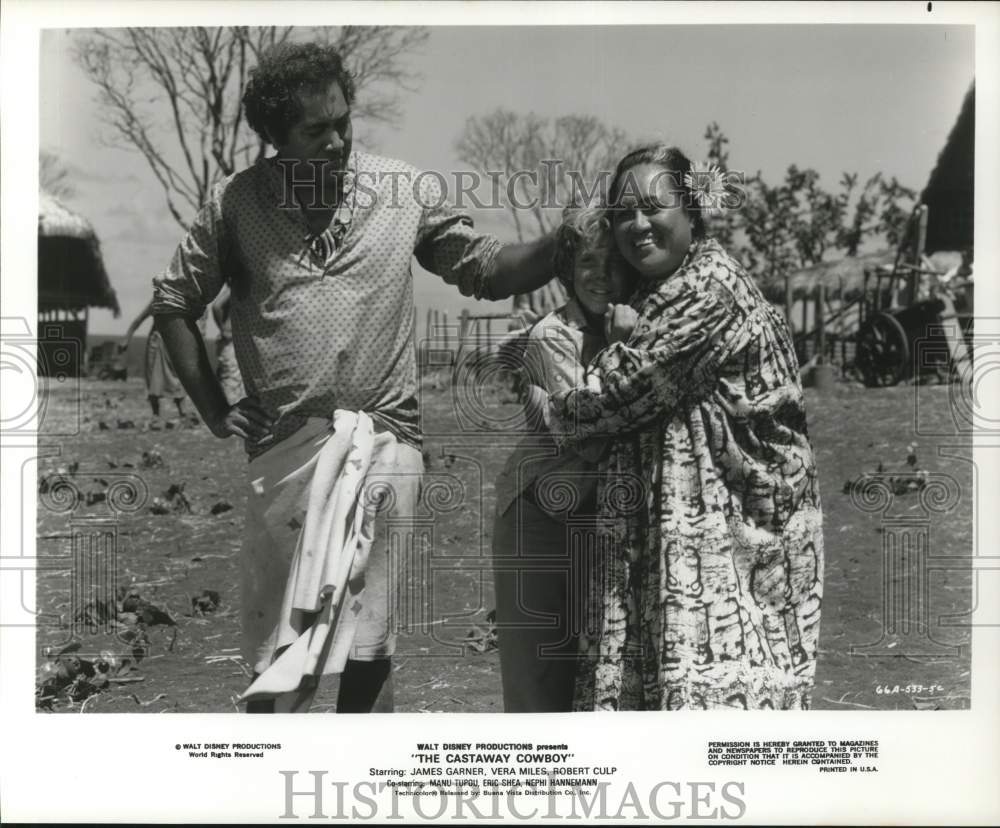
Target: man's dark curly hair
point(270, 102)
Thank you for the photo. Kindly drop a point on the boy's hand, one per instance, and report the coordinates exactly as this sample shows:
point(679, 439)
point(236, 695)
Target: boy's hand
point(247, 418)
point(619, 320)
point(535, 401)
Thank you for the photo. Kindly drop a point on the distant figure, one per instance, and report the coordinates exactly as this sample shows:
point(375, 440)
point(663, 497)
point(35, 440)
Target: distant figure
point(227, 371)
point(161, 380)
point(964, 284)
point(956, 282)
point(958, 275)
point(107, 362)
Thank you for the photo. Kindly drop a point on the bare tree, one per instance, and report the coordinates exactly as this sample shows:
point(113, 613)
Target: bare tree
point(173, 94)
point(540, 166)
point(54, 175)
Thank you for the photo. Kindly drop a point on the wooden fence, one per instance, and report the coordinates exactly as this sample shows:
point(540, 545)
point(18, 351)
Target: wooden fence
point(824, 323)
point(441, 343)
point(826, 320)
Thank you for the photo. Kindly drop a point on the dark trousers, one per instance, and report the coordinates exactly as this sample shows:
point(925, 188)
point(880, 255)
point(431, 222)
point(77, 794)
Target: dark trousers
point(539, 588)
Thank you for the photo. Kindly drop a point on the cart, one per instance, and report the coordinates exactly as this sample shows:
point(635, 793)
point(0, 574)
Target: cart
point(905, 324)
point(901, 343)
point(910, 325)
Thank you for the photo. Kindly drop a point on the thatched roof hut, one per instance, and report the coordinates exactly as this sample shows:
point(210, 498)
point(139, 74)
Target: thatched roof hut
point(849, 272)
point(950, 191)
point(71, 274)
point(71, 280)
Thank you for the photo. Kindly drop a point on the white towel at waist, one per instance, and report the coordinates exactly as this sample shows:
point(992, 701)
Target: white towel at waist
point(317, 621)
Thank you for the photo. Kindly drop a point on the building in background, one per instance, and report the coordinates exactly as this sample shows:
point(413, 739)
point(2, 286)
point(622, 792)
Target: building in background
point(950, 191)
point(71, 280)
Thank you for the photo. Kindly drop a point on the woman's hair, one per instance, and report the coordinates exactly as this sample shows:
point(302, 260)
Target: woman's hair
point(670, 159)
point(270, 101)
point(583, 228)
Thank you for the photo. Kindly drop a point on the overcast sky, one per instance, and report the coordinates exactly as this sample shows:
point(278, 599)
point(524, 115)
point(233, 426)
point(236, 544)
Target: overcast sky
point(833, 97)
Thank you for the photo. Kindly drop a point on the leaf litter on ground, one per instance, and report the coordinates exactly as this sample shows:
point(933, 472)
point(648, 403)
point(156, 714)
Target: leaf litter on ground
point(483, 639)
point(910, 478)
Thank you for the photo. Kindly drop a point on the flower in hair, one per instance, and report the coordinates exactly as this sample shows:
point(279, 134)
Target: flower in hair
point(707, 186)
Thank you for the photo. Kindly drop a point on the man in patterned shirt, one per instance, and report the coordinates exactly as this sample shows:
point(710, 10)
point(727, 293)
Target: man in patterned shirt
point(316, 244)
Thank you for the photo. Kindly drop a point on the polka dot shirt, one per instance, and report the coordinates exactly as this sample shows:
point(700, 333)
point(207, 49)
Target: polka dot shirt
point(325, 321)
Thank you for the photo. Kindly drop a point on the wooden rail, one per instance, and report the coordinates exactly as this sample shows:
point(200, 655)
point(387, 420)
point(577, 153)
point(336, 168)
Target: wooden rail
point(473, 331)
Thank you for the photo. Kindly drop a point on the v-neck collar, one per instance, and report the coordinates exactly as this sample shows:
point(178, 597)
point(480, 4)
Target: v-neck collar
point(343, 214)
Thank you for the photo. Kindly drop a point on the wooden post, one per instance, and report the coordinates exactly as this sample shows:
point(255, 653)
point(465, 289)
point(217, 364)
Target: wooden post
point(427, 334)
point(463, 327)
point(820, 323)
point(822, 372)
point(918, 259)
point(842, 322)
point(909, 294)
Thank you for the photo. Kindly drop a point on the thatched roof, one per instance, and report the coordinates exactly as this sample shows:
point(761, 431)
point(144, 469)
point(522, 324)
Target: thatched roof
point(950, 191)
point(850, 269)
point(71, 274)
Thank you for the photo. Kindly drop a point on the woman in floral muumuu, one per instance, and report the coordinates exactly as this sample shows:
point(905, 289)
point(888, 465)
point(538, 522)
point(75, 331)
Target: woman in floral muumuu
point(709, 585)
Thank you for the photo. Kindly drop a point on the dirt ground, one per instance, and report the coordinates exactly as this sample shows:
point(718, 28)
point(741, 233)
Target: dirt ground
point(97, 435)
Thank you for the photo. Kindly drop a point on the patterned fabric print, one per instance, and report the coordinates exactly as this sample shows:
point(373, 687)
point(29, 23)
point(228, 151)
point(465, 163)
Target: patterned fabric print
point(325, 321)
point(709, 589)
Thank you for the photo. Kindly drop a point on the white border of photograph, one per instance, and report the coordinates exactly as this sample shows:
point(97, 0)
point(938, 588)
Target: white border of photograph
point(934, 767)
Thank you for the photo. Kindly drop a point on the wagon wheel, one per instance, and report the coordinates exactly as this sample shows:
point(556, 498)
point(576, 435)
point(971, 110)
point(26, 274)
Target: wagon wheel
point(883, 352)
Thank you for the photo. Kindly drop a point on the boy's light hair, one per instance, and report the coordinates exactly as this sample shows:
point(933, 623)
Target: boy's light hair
point(583, 228)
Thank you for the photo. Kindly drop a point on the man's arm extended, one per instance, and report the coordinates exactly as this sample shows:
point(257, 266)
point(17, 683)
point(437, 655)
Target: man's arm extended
point(522, 268)
point(184, 343)
point(448, 245)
